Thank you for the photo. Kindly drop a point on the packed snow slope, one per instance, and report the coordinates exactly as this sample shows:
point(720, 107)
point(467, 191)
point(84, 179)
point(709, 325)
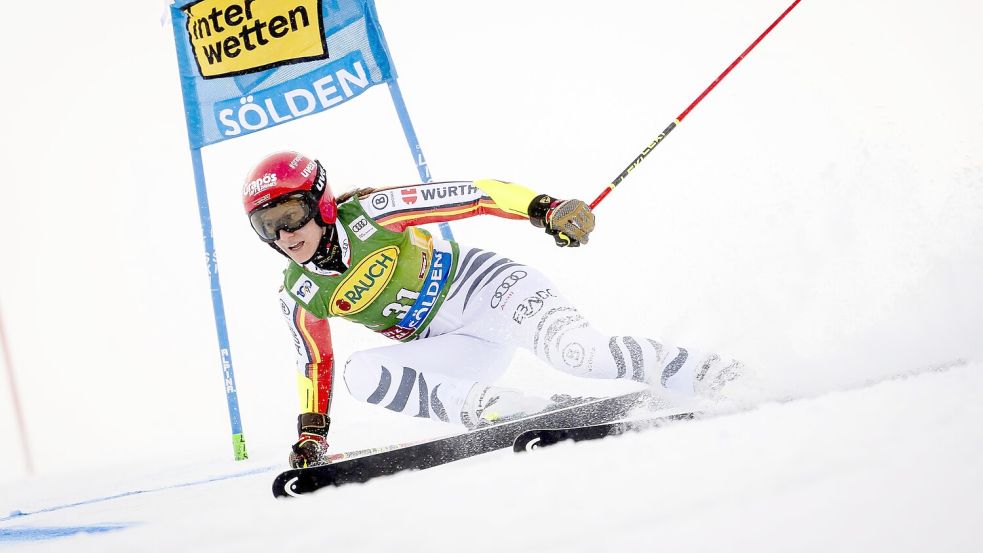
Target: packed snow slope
point(819, 216)
point(890, 467)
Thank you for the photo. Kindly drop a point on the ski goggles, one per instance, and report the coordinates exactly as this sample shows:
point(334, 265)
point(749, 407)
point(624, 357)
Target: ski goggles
point(289, 214)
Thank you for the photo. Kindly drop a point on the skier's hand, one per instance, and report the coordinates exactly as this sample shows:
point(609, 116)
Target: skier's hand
point(312, 443)
point(309, 451)
point(570, 222)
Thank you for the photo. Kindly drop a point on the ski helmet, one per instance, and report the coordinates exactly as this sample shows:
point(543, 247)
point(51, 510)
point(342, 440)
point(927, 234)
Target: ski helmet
point(284, 176)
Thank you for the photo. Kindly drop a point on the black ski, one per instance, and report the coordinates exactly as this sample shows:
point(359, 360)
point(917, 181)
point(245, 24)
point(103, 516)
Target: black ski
point(545, 437)
point(390, 460)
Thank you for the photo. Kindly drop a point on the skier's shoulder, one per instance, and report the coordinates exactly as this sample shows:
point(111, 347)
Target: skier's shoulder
point(291, 273)
point(303, 287)
point(293, 309)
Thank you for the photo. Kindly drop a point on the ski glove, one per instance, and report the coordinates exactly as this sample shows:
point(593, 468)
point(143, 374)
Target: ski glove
point(312, 444)
point(570, 222)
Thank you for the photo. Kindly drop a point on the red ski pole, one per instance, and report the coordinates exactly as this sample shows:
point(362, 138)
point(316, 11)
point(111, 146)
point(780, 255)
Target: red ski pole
point(18, 412)
point(681, 116)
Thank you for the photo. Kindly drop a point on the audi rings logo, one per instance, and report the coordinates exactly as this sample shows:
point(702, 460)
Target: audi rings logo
point(503, 288)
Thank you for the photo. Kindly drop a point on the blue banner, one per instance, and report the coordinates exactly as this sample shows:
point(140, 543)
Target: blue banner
point(247, 65)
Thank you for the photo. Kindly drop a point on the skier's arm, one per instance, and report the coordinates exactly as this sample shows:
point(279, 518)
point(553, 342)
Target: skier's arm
point(315, 368)
point(568, 221)
point(437, 202)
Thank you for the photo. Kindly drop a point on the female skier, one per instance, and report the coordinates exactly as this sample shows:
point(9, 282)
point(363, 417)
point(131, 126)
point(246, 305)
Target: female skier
point(459, 312)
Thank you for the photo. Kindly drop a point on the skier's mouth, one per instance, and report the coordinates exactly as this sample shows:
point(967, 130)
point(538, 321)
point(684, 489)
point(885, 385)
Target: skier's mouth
point(296, 246)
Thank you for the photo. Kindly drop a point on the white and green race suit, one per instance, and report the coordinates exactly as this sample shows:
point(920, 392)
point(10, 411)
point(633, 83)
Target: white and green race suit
point(460, 312)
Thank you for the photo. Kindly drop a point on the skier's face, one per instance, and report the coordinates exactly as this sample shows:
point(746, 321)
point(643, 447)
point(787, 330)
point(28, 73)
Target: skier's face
point(301, 244)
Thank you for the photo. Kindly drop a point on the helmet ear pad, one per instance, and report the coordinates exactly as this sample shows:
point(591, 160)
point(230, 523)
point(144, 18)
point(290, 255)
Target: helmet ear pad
point(327, 209)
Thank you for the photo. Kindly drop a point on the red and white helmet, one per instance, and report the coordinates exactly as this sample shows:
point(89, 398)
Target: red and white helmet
point(288, 175)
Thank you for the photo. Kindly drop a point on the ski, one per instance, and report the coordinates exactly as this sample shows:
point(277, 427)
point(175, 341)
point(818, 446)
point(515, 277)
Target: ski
point(356, 467)
point(593, 419)
point(545, 437)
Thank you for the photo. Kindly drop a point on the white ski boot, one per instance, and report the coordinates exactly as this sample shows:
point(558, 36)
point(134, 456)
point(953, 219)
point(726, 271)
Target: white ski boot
point(490, 404)
point(714, 374)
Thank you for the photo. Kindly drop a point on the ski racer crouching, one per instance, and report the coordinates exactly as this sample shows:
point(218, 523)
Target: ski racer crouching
point(459, 312)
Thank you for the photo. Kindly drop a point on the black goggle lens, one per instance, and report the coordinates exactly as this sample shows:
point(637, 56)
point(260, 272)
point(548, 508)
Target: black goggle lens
point(288, 215)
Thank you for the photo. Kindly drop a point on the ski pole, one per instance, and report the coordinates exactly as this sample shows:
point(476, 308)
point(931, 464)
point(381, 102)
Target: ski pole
point(681, 116)
point(18, 412)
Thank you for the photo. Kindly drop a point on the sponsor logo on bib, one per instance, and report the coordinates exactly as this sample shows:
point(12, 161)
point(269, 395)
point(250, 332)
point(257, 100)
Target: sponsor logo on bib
point(304, 289)
point(364, 282)
point(362, 228)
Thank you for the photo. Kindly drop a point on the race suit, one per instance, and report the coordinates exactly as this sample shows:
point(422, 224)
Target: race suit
point(460, 311)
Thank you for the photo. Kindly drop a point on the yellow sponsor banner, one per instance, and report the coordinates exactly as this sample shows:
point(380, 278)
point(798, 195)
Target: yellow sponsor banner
point(364, 282)
point(232, 37)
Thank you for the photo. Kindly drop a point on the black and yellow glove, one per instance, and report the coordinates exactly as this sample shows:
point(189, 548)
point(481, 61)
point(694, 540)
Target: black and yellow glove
point(570, 222)
point(312, 444)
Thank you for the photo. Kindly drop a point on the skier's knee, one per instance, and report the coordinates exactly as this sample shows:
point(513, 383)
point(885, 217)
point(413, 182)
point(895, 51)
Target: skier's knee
point(575, 351)
point(363, 373)
point(572, 357)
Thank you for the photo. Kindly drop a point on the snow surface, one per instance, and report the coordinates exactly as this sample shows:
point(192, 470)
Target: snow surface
point(817, 216)
point(887, 468)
